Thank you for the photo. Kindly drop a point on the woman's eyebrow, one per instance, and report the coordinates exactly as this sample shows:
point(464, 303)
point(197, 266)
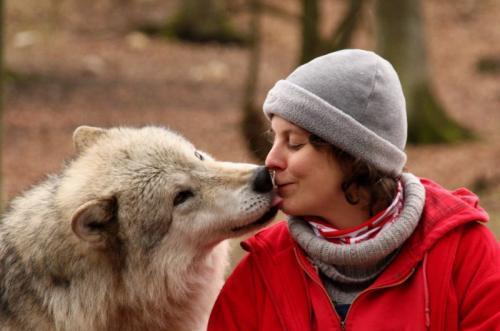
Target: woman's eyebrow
point(287, 131)
point(298, 132)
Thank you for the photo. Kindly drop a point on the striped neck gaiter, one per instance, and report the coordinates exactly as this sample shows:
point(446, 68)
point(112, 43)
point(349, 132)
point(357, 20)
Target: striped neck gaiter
point(367, 230)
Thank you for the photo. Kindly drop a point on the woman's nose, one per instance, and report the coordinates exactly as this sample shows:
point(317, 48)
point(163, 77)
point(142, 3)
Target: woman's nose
point(275, 159)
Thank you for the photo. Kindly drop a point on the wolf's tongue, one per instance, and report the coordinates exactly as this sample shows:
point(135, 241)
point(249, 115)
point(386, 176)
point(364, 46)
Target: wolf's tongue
point(276, 200)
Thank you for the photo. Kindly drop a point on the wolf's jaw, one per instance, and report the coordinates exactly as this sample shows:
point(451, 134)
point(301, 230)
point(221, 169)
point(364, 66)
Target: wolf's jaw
point(269, 215)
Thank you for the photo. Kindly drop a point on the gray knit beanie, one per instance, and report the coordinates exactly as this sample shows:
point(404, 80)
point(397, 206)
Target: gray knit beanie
point(352, 99)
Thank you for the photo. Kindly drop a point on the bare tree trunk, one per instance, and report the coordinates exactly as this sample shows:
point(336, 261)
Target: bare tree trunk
point(313, 44)
point(342, 36)
point(311, 39)
point(400, 39)
point(202, 21)
point(253, 124)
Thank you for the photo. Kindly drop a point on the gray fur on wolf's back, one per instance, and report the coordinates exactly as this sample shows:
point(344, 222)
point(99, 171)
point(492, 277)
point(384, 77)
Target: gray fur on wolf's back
point(20, 275)
point(130, 236)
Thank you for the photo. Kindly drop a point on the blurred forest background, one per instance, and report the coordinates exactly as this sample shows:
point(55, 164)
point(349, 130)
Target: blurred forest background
point(203, 68)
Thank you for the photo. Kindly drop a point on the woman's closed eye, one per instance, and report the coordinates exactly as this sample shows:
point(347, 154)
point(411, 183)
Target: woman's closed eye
point(295, 142)
point(295, 146)
point(292, 140)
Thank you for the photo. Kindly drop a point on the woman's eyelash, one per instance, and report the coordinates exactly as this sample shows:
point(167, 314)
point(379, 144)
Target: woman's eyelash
point(295, 146)
point(270, 137)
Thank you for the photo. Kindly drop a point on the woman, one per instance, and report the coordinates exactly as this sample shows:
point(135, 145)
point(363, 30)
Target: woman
point(366, 246)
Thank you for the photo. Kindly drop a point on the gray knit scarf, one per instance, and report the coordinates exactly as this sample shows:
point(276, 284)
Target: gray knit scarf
point(346, 270)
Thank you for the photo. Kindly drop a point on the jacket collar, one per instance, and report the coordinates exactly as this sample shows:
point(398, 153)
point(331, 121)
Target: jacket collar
point(443, 212)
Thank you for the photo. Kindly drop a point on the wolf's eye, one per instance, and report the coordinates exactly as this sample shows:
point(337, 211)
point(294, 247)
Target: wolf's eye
point(198, 155)
point(182, 196)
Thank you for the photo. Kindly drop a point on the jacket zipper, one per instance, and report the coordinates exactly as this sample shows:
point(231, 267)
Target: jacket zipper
point(404, 279)
point(343, 322)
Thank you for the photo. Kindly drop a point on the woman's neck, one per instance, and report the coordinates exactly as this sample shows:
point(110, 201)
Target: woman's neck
point(343, 215)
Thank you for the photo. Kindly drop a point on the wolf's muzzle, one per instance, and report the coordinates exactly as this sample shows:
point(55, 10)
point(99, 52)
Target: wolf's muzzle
point(261, 180)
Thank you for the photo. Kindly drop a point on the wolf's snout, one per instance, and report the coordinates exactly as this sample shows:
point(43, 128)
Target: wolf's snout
point(262, 181)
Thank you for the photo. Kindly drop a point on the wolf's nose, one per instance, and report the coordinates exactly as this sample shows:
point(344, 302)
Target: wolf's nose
point(262, 181)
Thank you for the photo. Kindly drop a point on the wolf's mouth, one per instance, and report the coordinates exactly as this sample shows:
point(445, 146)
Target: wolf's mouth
point(269, 215)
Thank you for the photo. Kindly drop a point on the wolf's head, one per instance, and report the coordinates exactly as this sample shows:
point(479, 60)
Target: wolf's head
point(127, 236)
point(146, 190)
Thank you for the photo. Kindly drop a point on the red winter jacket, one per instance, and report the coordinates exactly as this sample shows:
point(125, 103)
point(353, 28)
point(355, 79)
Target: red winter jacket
point(446, 277)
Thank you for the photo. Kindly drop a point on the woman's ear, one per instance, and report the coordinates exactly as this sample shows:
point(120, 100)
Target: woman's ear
point(95, 221)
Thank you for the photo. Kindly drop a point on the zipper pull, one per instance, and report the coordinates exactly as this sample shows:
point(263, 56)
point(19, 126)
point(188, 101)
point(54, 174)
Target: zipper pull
point(342, 325)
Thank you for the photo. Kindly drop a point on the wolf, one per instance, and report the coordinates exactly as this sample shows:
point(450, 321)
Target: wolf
point(130, 235)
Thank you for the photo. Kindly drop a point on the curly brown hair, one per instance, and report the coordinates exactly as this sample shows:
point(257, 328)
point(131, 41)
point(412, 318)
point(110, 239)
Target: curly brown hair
point(362, 181)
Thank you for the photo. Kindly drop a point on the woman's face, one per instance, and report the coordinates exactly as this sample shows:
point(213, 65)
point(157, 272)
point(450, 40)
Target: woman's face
point(308, 178)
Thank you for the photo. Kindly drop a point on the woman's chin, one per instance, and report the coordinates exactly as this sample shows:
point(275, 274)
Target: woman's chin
point(289, 209)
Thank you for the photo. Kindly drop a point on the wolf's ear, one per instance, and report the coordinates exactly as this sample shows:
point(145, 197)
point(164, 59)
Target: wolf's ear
point(85, 136)
point(95, 221)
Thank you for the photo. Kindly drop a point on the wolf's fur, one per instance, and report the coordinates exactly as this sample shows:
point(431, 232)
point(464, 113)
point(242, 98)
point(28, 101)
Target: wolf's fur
point(112, 244)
